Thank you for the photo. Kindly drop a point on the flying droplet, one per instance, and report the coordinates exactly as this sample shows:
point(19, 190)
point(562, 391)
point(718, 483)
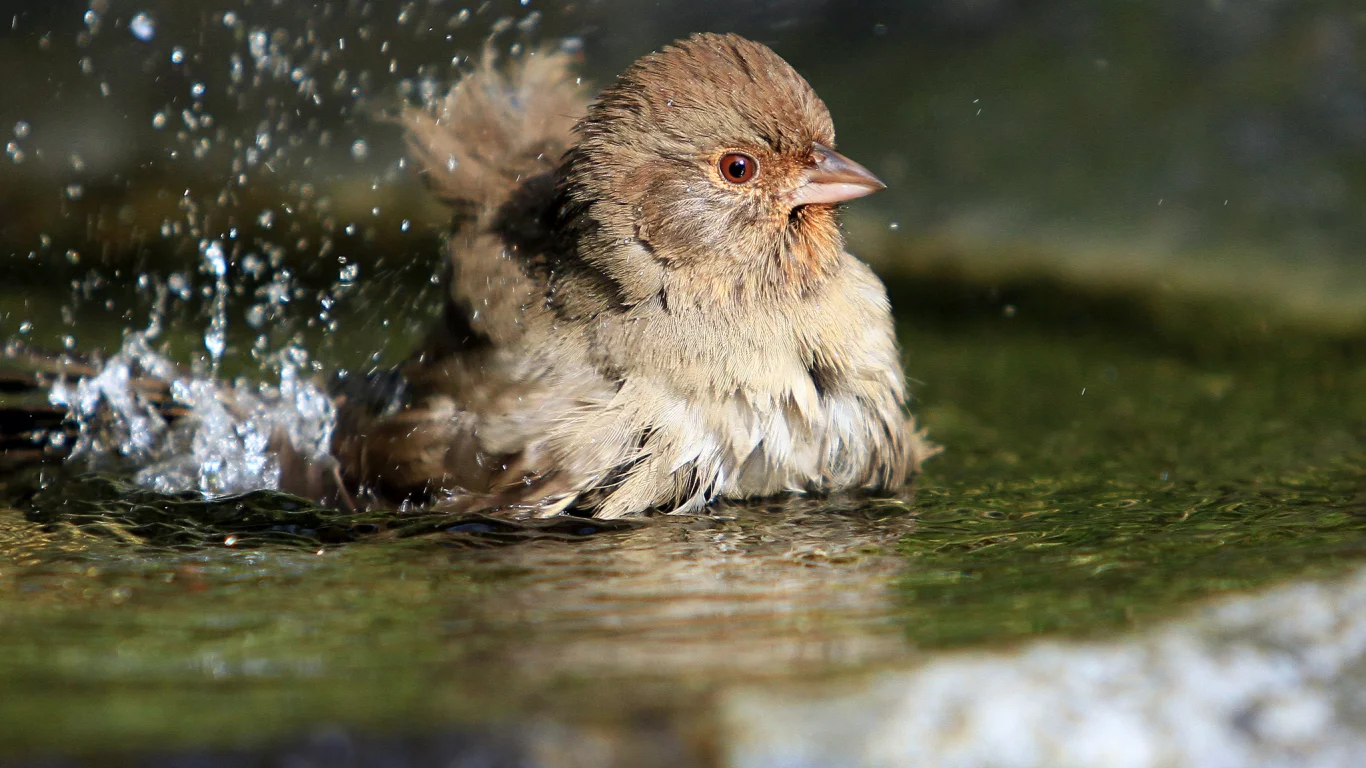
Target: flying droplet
point(257, 43)
point(142, 27)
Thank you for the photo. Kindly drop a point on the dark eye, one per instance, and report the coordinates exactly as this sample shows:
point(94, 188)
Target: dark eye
point(738, 168)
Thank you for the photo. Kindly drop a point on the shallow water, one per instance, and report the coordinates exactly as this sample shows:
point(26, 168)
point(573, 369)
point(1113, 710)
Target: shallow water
point(1103, 472)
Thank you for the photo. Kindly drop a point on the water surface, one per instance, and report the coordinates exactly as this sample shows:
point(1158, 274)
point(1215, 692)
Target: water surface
point(1105, 468)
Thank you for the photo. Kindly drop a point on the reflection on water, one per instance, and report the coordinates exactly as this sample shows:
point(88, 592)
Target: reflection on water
point(755, 591)
point(590, 630)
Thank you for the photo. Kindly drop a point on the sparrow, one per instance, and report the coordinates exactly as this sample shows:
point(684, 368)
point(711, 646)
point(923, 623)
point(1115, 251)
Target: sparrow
point(648, 301)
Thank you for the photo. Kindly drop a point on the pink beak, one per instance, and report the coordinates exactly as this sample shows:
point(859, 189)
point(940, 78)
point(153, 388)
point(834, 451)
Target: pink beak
point(833, 178)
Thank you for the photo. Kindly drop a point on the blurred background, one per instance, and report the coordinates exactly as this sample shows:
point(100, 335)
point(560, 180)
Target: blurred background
point(1209, 146)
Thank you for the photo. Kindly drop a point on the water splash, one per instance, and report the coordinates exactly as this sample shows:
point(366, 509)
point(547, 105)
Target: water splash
point(271, 176)
point(112, 416)
point(215, 262)
point(195, 432)
point(232, 439)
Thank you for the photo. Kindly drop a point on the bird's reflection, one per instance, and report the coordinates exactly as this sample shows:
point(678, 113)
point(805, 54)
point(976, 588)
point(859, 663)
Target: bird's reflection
point(751, 591)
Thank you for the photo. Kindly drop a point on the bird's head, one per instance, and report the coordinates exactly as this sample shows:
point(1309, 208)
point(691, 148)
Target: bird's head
point(714, 156)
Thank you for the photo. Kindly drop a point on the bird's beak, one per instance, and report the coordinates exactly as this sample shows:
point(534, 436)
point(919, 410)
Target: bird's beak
point(833, 178)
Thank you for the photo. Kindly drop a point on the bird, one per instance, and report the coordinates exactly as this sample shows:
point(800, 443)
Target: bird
point(648, 302)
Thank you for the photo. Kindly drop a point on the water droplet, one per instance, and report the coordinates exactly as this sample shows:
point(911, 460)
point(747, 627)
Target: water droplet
point(216, 342)
point(215, 261)
point(16, 155)
point(179, 286)
point(25, 327)
point(142, 27)
point(77, 164)
point(257, 43)
point(197, 90)
point(229, 19)
point(257, 315)
point(266, 219)
point(74, 191)
point(253, 265)
point(404, 226)
point(528, 25)
point(177, 55)
point(349, 273)
point(360, 150)
point(894, 226)
point(159, 120)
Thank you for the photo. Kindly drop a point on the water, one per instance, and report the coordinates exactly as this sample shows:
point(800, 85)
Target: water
point(1134, 471)
point(1185, 472)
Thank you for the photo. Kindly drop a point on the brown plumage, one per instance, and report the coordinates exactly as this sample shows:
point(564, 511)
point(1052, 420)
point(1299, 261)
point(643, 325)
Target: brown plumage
point(637, 319)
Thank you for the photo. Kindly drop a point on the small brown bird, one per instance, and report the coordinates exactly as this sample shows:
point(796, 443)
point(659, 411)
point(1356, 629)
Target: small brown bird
point(649, 302)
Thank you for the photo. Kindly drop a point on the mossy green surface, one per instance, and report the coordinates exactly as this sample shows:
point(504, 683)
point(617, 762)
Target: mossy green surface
point(1112, 456)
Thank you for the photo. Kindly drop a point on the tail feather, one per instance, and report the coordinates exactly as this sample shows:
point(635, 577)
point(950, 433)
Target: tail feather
point(496, 127)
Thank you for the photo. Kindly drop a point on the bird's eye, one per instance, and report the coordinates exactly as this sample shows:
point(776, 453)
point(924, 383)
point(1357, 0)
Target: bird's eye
point(738, 168)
